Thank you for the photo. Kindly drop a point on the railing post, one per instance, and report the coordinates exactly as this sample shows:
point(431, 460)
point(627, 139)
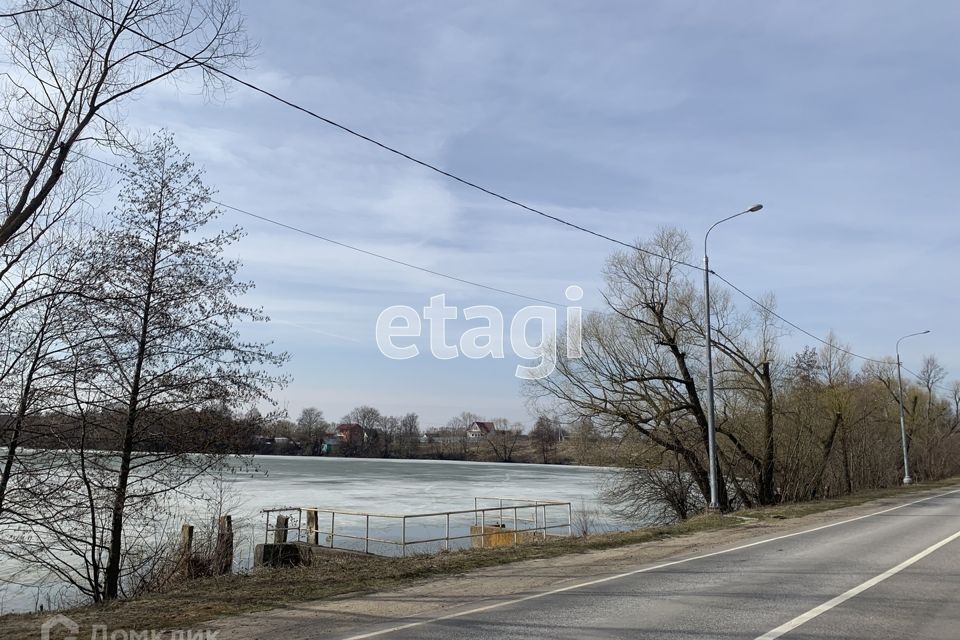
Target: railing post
point(313, 526)
point(333, 522)
point(536, 519)
point(403, 537)
point(515, 532)
point(483, 527)
point(366, 539)
point(280, 532)
point(501, 510)
point(475, 510)
point(446, 535)
point(570, 519)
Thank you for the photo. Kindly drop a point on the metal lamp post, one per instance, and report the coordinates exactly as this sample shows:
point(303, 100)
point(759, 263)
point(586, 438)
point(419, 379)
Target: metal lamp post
point(711, 414)
point(903, 429)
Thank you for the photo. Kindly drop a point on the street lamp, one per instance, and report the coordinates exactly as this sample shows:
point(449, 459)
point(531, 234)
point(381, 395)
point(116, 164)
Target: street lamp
point(711, 414)
point(903, 430)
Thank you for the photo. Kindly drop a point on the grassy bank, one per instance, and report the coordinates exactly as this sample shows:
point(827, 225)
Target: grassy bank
point(189, 604)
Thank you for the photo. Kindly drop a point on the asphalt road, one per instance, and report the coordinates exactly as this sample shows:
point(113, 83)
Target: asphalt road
point(894, 574)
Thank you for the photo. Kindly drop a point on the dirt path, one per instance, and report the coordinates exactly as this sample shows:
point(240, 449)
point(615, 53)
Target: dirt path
point(440, 596)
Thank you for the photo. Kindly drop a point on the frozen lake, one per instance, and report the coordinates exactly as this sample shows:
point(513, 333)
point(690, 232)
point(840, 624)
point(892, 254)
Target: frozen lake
point(406, 487)
point(371, 485)
point(396, 486)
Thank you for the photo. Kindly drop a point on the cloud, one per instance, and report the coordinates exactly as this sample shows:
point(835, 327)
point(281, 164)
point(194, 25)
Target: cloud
point(621, 117)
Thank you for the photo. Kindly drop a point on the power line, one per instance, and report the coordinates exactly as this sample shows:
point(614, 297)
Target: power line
point(382, 145)
point(920, 378)
point(447, 174)
point(815, 337)
point(791, 324)
point(499, 290)
point(387, 258)
point(432, 167)
point(351, 247)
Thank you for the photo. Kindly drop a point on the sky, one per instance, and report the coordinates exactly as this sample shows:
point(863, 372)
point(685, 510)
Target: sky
point(841, 118)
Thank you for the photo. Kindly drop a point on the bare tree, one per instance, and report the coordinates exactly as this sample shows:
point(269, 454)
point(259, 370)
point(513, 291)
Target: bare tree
point(73, 64)
point(409, 435)
point(38, 289)
point(747, 344)
point(463, 420)
point(659, 493)
point(641, 367)
point(585, 441)
point(931, 375)
point(545, 436)
point(159, 343)
point(311, 428)
point(366, 416)
point(503, 441)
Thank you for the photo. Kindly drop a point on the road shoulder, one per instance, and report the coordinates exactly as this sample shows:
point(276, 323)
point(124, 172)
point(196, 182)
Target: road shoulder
point(442, 596)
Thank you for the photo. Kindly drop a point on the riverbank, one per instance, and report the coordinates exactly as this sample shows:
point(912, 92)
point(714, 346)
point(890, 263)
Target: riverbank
point(216, 603)
point(348, 484)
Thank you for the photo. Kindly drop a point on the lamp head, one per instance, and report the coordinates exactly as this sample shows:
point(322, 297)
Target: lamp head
point(755, 208)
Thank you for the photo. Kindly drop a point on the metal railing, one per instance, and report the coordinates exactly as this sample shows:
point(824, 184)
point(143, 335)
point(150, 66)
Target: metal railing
point(392, 533)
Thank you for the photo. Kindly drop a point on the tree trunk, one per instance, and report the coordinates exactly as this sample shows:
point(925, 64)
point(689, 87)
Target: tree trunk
point(768, 488)
point(20, 418)
point(827, 450)
point(115, 557)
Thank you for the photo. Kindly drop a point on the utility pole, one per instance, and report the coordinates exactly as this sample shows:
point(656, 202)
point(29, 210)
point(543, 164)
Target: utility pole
point(903, 429)
point(711, 411)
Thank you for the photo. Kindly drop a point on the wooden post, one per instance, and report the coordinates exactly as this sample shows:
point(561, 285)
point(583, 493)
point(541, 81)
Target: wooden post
point(280, 531)
point(223, 555)
point(186, 549)
point(313, 526)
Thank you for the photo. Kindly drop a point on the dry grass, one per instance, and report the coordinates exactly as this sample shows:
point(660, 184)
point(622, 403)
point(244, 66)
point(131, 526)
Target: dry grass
point(189, 604)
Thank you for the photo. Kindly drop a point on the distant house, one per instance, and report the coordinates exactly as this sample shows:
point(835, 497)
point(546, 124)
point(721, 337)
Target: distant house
point(479, 430)
point(350, 434)
point(275, 445)
point(443, 435)
point(331, 443)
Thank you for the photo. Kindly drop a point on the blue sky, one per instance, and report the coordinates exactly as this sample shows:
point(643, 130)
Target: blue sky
point(622, 116)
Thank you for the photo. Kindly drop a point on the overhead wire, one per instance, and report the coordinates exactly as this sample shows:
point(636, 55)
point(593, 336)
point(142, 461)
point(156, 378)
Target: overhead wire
point(423, 163)
point(508, 292)
point(794, 325)
point(432, 167)
point(351, 247)
point(514, 293)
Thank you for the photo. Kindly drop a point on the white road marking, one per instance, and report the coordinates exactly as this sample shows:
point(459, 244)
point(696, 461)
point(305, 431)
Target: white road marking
point(620, 576)
point(843, 597)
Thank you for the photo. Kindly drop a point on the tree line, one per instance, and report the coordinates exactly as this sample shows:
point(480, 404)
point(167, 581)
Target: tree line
point(122, 359)
point(789, 427)
point(384, 436)
point(120, 350)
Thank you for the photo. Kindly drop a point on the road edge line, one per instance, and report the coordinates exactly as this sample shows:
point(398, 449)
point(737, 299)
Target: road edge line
point(620, 576)
point(803, 618)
